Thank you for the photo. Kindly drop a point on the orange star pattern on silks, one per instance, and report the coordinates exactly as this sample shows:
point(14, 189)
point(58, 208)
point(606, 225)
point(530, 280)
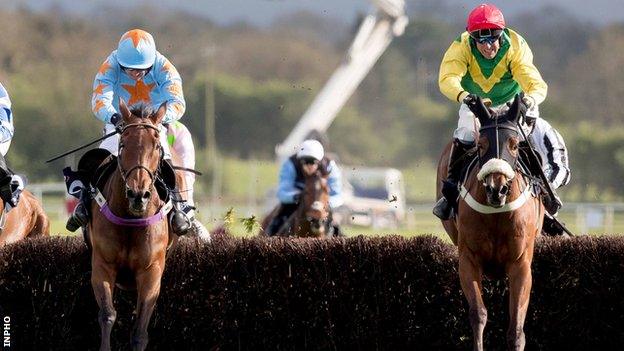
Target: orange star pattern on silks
point(104, 67)
point(99, 90)
point(136, 35)
point(168, 67)
point(139, 92)
point(98, 105)
point(178, 108)
point(175, 89)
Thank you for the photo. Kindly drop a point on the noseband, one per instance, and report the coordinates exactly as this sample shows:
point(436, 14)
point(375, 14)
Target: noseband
point(126, 173)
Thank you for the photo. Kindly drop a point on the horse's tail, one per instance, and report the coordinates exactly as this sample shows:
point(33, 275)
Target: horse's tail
point(41, 223)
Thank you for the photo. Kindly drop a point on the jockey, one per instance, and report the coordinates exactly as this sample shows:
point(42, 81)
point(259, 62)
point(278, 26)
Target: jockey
point(310, 158)
point(139, 75)
point(10, 184)
point(179, 139)
point(494, 62)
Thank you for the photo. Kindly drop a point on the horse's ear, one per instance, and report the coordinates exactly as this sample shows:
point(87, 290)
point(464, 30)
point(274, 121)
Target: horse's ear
point(515, 110)
point(125, 112)
point(479, 109)
point(160, 114)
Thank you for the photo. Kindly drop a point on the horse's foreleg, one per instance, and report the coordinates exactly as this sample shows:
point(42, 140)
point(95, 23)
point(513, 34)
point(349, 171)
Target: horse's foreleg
point(519, 275)
point(470, 275)
point(103, 283)
point(148, 289)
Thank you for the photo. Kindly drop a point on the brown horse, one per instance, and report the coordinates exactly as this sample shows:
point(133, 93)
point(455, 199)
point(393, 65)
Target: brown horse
point(497, 220)
point(312, 217)
point(130, 233)
point(26, 220)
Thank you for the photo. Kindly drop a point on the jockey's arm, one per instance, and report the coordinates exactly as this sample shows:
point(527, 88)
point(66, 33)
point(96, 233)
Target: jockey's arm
point(6, 118)
point(170, 81)
point(452, 69)
point(286, 190)
point(335, 185)
point(103, 89)
point(525, 72)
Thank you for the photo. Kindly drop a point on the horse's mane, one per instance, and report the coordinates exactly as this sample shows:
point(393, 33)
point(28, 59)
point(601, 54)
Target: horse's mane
point(142, 111)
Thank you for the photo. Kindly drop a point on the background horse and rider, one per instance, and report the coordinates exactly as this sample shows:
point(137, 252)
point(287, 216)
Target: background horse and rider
point(498, 215)
point(312, 217)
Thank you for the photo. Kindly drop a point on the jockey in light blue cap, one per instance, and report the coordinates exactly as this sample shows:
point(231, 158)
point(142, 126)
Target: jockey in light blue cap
point(137, 73)
point(10, 184)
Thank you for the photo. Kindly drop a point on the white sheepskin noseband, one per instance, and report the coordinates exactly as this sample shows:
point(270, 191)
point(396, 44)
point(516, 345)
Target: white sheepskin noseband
point(496, 165)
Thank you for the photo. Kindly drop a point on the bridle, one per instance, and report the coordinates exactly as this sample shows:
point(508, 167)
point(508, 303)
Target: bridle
point(497, 151)
point(126, 173)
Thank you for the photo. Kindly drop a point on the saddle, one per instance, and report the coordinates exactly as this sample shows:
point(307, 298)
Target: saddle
point(97, 165)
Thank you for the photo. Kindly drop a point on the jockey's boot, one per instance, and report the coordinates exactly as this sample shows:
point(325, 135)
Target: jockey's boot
point(276, 223)
point(182, 218)
point(180, 222)
point(552, 204)
point(80, 216)
point(551, 227)
point(450, 192)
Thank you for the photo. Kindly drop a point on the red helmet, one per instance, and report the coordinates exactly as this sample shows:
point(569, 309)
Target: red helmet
point(485, 16)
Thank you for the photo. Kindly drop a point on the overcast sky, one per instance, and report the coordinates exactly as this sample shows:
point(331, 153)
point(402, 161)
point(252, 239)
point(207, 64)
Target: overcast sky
point(263, 12)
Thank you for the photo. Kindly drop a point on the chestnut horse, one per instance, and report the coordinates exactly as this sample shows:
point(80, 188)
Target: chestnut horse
point(312, 217)
point(497, 220)
point(130, 233)
point(26, 220)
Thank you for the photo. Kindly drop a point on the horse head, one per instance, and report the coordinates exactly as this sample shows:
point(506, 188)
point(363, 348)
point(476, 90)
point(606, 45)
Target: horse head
point(316, 202)
point(499, 138)
point(139, 155)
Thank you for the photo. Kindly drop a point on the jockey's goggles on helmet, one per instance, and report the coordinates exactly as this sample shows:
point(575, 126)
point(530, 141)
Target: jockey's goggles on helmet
point(489, 36)
point(125, 69)
point(308, 160)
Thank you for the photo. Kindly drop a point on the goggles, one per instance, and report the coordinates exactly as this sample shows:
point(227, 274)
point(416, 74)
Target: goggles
point(128, 69)
point(489, 36)
point(308, 161)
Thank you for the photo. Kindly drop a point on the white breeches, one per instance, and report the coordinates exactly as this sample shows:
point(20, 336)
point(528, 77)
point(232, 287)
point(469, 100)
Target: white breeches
point(4, 147)
point(468, 125)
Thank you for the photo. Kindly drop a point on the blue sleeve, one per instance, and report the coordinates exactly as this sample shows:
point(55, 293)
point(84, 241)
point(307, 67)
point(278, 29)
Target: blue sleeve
point(286, 190)
point(335, 185)
point(6, 118)
point(170, 82)
point(103, 89)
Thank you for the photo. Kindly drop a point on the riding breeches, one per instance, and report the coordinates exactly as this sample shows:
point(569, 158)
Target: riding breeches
point(468, 125)
point(112, 143)
point(184, 149)
point(4, 147)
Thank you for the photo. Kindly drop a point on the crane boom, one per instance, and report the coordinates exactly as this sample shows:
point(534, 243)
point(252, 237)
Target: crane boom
point(386, 21)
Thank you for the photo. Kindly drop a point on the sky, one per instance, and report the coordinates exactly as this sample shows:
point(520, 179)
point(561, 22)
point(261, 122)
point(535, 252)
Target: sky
point(263, 12)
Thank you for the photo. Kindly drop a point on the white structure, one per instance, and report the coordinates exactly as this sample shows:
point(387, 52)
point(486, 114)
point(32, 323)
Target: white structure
point(386, 21)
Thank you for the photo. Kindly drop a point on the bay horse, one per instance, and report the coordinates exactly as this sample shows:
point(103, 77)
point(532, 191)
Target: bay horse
point(312, 218)
point(27, 219)
point(130, 234)
point(498, 217)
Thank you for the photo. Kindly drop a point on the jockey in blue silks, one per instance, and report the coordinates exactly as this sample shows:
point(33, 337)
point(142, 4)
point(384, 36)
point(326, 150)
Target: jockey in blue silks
point(140, 75)
point(309, 158)
point(10, 184)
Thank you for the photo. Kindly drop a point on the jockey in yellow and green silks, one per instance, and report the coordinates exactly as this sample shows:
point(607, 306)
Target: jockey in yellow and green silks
point(494, 62)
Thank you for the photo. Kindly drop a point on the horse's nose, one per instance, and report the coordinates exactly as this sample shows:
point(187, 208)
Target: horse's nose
point(138, 196)
point(504, 190)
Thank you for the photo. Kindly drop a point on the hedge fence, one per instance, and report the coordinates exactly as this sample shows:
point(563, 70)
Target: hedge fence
point(386, 293)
